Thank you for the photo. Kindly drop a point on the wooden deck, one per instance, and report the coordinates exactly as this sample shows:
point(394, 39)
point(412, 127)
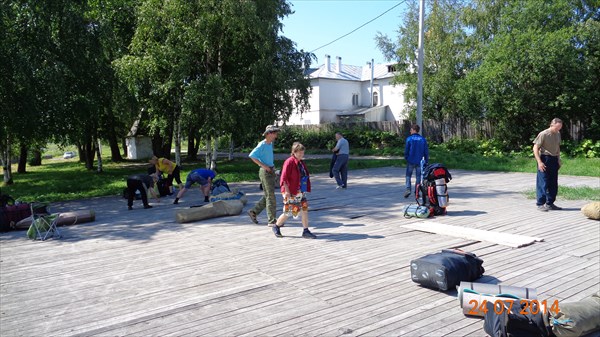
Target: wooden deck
point(139, 273)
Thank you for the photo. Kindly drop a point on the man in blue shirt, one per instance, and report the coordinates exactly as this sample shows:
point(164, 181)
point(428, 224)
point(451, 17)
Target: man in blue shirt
point(340, 167)
point(262, 155)
point(416, 149)
point(201, 176)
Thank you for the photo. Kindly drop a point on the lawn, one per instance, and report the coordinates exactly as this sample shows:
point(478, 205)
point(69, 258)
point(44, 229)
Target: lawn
point(59, 179)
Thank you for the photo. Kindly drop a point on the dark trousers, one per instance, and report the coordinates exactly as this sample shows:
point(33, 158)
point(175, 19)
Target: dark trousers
point(136, 185)
point(547, 182)
point(175, 175)
point(340, 170)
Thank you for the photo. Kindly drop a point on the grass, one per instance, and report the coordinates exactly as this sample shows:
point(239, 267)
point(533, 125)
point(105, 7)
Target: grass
point(572, 193)
point(60, 180)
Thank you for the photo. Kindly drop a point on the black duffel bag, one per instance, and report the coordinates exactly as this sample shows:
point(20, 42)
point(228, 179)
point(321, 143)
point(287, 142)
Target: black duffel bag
point(446, 269)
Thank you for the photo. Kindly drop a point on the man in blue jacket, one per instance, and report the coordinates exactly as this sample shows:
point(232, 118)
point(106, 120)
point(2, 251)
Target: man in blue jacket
point(416, 149)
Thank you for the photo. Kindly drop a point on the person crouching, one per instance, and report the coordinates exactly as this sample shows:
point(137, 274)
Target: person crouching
point(142, 183)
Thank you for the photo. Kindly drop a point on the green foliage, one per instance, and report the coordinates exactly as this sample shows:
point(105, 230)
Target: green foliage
point(517, 64)
point(585, 149)
point(359, 138)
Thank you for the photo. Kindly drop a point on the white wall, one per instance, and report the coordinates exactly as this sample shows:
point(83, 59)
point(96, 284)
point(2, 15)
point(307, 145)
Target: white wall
point(393, 96)
point(337, 94)
point(331, 96)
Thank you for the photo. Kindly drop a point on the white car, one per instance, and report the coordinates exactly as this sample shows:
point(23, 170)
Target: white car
point(68, 154)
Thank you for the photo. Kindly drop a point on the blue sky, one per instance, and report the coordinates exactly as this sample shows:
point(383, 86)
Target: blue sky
point(318, 22)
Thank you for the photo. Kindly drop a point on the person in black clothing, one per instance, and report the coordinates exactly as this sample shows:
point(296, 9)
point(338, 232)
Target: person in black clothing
point(142, 183)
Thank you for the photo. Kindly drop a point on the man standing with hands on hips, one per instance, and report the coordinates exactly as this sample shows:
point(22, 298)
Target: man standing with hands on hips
point(262, 155)
point(546, 149)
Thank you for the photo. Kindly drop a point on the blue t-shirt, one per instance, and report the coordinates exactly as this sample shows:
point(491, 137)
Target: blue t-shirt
point(264, 153)
point(415, 149)
point(204, 173)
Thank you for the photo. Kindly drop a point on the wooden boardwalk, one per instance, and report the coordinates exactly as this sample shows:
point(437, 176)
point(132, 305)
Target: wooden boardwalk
point(139, 273)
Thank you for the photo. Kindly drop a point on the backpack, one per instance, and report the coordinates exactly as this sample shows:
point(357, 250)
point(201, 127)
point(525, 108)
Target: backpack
point(432, 192)
point(219, 186)
point(519, 321)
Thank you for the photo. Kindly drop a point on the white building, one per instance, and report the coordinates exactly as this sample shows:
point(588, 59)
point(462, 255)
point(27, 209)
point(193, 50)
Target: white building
point(344, 92)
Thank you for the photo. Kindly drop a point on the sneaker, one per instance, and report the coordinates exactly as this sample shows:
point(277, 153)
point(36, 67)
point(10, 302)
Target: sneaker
point(308, 235)
point(277, 231)
point(206, 199)
point(252, 216)
point(553, 207)
point(147, 206)
point(543, 208)
point(407, 194)
point(175, 202)
point(129, 208)
point(339, 187)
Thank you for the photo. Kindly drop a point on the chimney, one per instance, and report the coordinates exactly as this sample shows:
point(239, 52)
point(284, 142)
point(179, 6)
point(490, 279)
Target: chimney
point(328, 62)
point(339, 64)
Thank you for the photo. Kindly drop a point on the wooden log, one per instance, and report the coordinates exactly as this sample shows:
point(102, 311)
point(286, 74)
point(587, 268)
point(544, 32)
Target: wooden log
point(64, 219)
point(212, 210)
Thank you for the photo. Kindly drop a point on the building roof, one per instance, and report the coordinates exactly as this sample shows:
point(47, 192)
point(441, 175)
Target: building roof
point(350, 72)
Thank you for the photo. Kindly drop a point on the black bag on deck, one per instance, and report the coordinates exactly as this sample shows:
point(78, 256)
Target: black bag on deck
point(520, 322)
point(446, 269)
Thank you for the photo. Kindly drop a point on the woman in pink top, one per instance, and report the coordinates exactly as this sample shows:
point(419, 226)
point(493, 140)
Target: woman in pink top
point(295, 183)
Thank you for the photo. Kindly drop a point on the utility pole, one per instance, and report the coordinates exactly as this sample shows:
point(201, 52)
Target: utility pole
point(420, 66)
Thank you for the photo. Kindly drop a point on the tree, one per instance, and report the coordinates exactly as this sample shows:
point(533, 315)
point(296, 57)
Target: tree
point(535, 66)
point(213, 67)
point(445, 56)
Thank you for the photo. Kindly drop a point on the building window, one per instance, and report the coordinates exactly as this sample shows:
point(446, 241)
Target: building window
point(375, 99)
point(354, 99)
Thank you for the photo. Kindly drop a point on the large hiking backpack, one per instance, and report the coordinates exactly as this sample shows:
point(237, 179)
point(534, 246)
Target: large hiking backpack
point(432, 192)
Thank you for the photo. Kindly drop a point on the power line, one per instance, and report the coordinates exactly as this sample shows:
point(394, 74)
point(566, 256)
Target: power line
point(359, 27)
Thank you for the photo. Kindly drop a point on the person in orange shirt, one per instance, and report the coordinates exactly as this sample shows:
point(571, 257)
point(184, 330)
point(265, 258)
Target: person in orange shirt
point(173, 171)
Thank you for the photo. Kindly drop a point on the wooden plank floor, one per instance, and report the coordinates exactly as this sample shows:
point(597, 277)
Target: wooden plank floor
point(139, 273)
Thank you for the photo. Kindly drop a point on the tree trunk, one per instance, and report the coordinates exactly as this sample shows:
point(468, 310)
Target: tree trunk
point(22, 167)
point(115, 152)
point(213, 162)
point(193, 144)
point(124, 144)
point(207, 156)
point(89, 155)
point(230, 157)
point(6, 162)
point(37, 158)
point(177, 141)
point(99, 155)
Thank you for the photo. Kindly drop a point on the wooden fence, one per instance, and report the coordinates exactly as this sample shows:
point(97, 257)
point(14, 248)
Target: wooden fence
point(435, 131)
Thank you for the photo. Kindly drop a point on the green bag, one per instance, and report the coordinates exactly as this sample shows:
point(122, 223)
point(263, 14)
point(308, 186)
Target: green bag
point(577, 318)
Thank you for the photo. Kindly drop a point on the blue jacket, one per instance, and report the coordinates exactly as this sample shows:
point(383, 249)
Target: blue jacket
point(415, 149)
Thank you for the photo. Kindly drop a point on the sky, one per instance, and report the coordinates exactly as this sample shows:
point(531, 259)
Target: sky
point(318, 22)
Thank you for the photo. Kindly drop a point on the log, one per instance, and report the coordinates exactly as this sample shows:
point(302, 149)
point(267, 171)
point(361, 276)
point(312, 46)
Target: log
point(64, 219)
point(212, 210)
